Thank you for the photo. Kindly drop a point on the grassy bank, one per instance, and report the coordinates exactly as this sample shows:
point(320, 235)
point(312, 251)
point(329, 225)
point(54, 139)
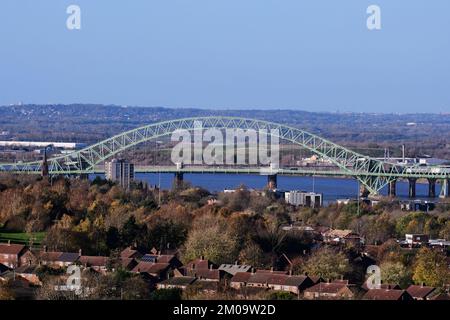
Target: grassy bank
point(22, 237)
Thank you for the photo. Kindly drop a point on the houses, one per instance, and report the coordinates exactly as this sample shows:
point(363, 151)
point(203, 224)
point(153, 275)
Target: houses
point(232, 269)
point(336, 236)
point(15, 255)
point(97, 263)
point(130, 253)
point(29, 273)
point(152, 269)
point(49, 258)
point(272, 281)
point(176, 282)
point(329, 290)
point(420, 292)
point(387, 294)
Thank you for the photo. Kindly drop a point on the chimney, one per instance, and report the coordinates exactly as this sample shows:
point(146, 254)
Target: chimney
point(45, 248)
point(9, 242)
point(79, 252)
point(271, 269)
point(235, 263)
point(210, 266)
point(253, 270)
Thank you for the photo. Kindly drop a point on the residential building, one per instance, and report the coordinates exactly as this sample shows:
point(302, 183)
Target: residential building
point(130, 252)
point(152, 269)
point(120, 171)
point(387, 294)
point(273, 281)
point(336, 236)
point(97, 263)
point(176, 282)
point(329, 290)
point(14, 255)
point(420, 292)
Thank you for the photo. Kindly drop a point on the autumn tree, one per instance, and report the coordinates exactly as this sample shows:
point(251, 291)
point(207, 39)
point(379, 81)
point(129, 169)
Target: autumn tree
point(327, 263)
point(211, 239)
point(395, 273)
point(431, 268)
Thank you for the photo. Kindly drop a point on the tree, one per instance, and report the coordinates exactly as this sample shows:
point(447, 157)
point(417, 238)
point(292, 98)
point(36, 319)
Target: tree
point(166, 294)
point(431, 268)
point(6, 292)
point(327, 263)
point(395, 273)
point(280, 295)
point(252, 255)
point(389, 251)
point(445, 231)
point(213, 243)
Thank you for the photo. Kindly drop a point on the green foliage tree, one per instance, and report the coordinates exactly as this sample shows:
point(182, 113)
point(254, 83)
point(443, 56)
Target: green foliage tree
point(252, 255)
point(166, 294)
point(395, 273)
point(213, 243)
point(431, 268)
point(327, 263)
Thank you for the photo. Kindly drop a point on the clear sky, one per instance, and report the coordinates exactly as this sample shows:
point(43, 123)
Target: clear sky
point(315, 55)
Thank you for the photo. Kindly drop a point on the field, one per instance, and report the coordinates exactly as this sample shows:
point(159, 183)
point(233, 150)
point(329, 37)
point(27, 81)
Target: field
point(22, 237)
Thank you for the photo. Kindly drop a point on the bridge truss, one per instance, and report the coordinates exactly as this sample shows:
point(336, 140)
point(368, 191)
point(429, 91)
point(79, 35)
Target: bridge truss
point(372, 173)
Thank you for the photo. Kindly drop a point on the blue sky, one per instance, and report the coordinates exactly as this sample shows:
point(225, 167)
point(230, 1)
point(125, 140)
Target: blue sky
point(313, 55)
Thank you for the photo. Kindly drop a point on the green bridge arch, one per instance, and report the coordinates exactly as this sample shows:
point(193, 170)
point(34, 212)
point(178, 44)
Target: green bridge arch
point(374, 174)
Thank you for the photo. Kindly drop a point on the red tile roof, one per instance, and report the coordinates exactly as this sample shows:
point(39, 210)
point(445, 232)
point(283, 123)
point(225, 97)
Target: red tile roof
point(199, 264)
point(420, 292)
point(269, 278)
point(211, 274)
point(326, 287)
point(50, 256)
point(14, 249)
point(150, 267)
point(93, 261)
point(383, 294)
point(271, 271)
point(129, 253)
point(241, 277)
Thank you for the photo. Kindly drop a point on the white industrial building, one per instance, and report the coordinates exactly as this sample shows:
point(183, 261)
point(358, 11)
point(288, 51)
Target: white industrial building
point(42, 144)
point(302, 198)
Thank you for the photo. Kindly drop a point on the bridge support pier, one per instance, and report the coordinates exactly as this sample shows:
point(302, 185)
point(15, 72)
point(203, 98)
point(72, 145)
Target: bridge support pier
point(431, 188)
point(392, 188)
point(363, 192)
point(272, 181)
point(412, 188)
point(445, 189)
point(179, 179)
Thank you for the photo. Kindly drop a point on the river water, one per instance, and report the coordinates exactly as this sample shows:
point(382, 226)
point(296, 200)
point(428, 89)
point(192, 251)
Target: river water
point(332, 188)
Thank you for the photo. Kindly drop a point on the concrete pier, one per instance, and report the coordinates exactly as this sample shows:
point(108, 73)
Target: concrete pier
point(392, 188)
point(431, 188)
point(272, 181)
point(412, 188)
point(179, 179)
point(445, 188)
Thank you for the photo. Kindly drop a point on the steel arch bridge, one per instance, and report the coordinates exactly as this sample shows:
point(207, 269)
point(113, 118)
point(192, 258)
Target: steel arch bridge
point(374, 174)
